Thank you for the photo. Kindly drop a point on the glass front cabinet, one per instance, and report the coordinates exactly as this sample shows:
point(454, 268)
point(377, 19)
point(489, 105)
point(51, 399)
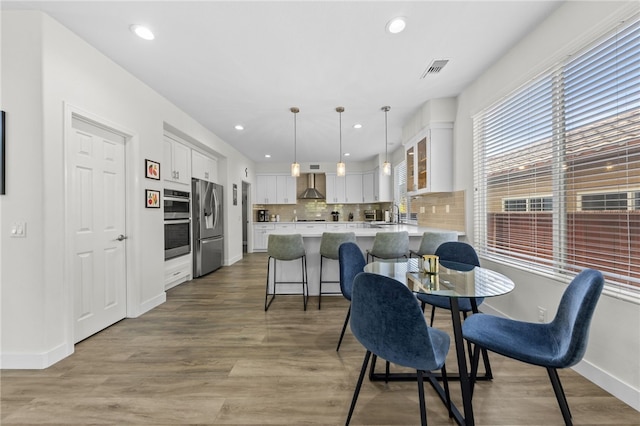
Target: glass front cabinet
point(430, 160)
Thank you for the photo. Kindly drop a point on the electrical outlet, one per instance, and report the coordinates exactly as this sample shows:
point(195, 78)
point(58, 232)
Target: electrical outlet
point(542, 314)
point(446, 209)
point(421, 209)
point(433, 209)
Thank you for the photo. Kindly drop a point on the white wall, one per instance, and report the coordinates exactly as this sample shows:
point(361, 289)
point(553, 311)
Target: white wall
point(45, 67)
point(612, 357)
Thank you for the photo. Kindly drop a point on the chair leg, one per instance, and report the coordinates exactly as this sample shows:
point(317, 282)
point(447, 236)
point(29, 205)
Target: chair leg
point(560, 396)
point(433, 315)
point(423, 408)
point(386, 371)
point(305, 287)
point(344, 327)
point(358, 386)
point(320, 291)
point(267, 301)
point(447, 394)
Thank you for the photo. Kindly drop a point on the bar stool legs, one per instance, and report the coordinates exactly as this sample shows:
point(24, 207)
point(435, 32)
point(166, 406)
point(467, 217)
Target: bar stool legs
point(304, 282)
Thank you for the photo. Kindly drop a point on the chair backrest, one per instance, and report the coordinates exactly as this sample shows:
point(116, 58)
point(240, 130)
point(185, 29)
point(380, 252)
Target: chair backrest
point(390, 245)
point(431, 240)
point(285, 246)
point(351, 262)
point(570, 326)
point(459, 252)
point(388, 321)
point(330, 242)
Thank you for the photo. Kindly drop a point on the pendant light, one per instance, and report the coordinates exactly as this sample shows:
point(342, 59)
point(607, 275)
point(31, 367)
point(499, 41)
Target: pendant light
point(342, 168)
point(386, 166)
point(295, 166)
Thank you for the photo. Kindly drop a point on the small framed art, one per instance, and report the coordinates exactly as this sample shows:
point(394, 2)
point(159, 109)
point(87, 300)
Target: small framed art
point(152, 169)
point(152, 199)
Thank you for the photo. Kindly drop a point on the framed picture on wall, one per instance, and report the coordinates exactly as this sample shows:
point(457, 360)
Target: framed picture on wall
point(152, 169)
point(2, 154)
point(152, 199)
point(235, 194)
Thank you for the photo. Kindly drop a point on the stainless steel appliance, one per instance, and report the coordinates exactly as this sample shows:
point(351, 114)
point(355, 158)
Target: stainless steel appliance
point(371, 215)
point(177, 223)
point(208, 238)
point(263, 215)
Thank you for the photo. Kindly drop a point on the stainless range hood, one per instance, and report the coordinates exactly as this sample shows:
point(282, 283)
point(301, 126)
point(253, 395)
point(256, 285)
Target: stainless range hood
point(311, 193)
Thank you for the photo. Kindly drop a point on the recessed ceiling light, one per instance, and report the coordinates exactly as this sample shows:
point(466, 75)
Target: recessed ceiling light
point(239, 127)
point(142, 32)
point(396, 25)
point(357, 126)
point(346, 154)
point(267, 156)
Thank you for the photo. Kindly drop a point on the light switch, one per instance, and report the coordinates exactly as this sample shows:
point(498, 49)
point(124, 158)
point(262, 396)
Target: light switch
point(19, 230)
point(433, 209)
point(447, 208)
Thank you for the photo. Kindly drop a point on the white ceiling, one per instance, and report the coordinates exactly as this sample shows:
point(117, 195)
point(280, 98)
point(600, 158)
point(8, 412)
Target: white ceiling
point(241, 62)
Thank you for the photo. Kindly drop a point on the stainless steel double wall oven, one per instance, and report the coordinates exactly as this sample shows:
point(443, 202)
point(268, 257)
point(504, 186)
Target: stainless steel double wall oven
point(177, 223)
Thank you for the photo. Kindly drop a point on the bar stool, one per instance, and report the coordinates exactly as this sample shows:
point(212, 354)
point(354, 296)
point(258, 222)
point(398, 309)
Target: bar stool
point(389, 245)
point(431, 241)
point(286, 248)
point(329, 245)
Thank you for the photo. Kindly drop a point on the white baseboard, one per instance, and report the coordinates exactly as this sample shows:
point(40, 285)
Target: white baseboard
point(150, 304)
point(597, 376)
point(34, 361)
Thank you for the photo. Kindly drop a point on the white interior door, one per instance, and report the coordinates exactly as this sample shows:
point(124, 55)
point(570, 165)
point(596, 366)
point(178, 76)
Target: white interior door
point(97, 191)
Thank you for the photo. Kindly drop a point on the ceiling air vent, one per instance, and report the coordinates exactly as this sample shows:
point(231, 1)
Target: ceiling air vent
point(314, 167)
point(435, 67)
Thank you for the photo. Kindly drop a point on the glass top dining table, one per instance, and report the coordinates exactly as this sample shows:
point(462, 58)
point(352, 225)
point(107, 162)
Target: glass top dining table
point(453, 280)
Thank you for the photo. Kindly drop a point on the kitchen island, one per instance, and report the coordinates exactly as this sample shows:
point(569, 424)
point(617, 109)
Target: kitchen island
point(312, 231)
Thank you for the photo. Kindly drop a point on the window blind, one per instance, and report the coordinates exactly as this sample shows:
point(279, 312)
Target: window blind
point(557, 167)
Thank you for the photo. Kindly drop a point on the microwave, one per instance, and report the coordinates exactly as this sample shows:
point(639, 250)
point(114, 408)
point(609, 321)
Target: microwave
point(372, 215)
point(176, 204)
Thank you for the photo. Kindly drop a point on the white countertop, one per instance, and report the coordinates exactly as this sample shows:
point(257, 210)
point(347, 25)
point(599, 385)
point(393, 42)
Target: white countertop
point(315, 229)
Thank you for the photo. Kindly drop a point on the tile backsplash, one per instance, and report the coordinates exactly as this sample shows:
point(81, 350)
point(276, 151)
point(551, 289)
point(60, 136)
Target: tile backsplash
point(444, 210)
point(318, 210)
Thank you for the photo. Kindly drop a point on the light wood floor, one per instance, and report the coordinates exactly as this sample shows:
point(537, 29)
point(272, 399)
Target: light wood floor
point(211, 355)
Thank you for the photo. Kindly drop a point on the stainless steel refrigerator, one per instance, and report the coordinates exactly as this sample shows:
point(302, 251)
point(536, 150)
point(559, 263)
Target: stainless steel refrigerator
point(208, 238)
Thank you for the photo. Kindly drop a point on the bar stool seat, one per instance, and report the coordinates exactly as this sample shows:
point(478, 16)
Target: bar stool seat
point(389, 245)
point(431, 240)
point(329, 245)
point(286, 247)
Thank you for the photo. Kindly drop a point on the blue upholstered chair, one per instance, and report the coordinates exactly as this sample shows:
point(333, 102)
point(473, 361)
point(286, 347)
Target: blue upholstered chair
point(286, 248)
point(389, 245)
point(458, 252)
point(329, 245)
point(351, 263)
point(388, 322)
point(558, 344)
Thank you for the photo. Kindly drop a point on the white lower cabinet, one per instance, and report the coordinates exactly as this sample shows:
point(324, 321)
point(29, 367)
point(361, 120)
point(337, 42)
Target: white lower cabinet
point(177, 271)
point(261, 236)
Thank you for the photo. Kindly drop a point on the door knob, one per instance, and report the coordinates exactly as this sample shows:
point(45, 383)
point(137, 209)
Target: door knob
point(121, 238)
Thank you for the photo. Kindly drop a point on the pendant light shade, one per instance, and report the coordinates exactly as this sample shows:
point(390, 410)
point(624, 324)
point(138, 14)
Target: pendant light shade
point(386, 166)
point(295, 167)
point(341, 169)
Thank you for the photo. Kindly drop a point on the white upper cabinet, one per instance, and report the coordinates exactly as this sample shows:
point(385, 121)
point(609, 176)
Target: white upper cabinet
point(266, 189)
point(276, 189)
point(353, 188)
point(369, 194)
point(286, 188)
point(177, 162)
point(430, 160)
point(336, 191)
point(204, 167)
